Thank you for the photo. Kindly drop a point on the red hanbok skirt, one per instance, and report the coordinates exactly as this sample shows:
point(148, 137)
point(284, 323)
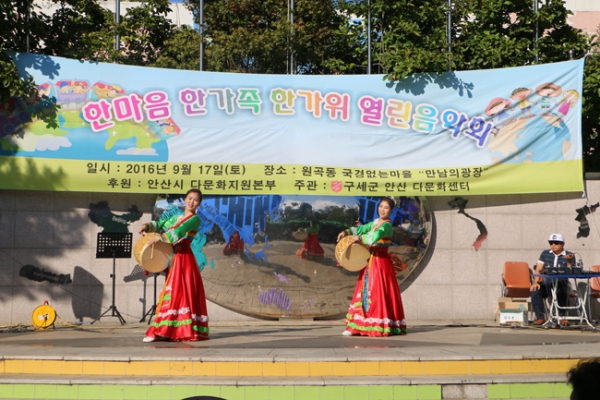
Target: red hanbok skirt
point(311, 247)
point(376, 308)
point(181, 313)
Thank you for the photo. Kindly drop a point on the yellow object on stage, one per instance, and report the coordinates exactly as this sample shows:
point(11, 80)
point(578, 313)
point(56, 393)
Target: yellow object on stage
point(43, 316)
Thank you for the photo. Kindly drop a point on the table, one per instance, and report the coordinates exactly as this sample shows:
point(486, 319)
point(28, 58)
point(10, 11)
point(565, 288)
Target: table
point(582, 305)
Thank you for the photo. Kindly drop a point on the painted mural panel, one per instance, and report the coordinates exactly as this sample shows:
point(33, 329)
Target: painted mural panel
point(274, 256)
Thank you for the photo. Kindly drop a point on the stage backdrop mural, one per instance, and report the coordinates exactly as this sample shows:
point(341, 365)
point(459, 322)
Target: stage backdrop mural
point(150, 130)
point(273, 256)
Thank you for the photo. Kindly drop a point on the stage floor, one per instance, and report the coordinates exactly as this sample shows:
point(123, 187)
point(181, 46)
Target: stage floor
point(242, 359)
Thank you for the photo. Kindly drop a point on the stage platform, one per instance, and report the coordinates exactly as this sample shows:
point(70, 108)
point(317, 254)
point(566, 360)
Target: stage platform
point(292, 360)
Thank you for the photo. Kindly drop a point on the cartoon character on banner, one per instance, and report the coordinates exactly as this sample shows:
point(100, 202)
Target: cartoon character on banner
point(497, 108)
point(521, 95)
point(547, 91)
point(72, 93)
point(570, 97)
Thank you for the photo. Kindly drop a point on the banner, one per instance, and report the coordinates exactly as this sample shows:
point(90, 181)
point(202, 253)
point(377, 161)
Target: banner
point(151, 130)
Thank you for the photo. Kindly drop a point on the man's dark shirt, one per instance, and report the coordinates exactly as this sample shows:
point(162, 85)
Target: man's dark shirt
point(551, 260)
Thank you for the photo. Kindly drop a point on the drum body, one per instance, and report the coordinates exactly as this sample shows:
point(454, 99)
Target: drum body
point(352, 257)
point(300, 235)
point(153, 258)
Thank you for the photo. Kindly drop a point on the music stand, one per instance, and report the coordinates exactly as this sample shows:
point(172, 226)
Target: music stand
point(152, 310)
point(113, 245)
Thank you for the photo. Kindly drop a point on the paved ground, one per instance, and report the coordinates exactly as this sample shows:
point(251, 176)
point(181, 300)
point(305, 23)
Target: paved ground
point(292, 360)
point(302, 341)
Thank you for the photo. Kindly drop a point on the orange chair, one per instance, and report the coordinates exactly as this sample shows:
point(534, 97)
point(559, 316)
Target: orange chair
point(595, 283)
point(516, 279)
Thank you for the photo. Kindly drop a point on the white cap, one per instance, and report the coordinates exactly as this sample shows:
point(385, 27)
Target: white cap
point(556, 237)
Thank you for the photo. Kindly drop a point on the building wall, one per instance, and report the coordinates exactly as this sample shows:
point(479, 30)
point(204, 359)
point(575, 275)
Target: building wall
point(53, 232)
point(586, 14)
point(582, 5)
point(587, 21)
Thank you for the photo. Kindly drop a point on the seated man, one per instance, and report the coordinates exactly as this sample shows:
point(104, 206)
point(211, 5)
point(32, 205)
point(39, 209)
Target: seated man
point(555, 257)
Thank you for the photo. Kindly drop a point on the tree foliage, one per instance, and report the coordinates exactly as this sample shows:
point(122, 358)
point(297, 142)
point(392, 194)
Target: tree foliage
point(257, 36)
point(410, 36)
point(144, 32)
point(591, 110)
point(20, 31)
point(407, 36)
point(181, 50)
point(78, 29)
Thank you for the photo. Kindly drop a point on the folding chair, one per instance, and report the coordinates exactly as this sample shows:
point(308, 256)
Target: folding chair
point(594, 287)
point(516, 280)
point(595, 283)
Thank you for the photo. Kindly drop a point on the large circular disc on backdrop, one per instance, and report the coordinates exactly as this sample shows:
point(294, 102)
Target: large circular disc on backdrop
point(255, 262)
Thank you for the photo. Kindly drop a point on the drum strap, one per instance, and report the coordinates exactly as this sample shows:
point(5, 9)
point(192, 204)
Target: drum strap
point(181, 221)
point(378, 223)
point(365, 292)
point(367, 286)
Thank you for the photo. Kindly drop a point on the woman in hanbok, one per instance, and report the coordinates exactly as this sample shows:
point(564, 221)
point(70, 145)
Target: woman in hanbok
point(311, 247)
point(181, 313)
point(376, 306)
point(235, 245)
